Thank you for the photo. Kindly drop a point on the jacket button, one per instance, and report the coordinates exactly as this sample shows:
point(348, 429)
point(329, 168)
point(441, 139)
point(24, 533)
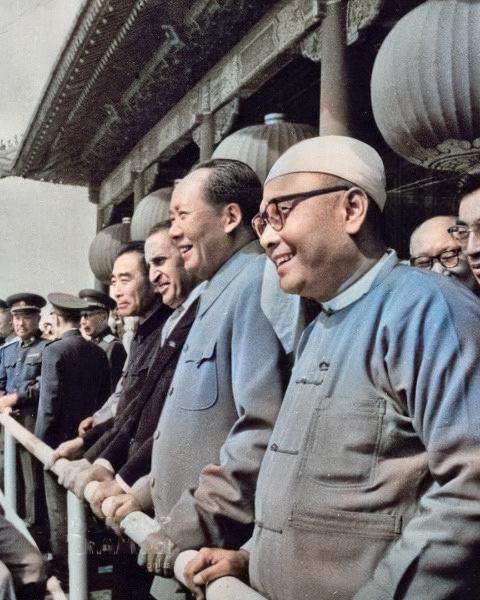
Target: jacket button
point(170, 392)
point(156, 435)
point(274, 447)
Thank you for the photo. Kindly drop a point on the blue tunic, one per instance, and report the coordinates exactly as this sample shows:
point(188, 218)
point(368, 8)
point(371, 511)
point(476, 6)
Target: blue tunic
point(370, 488)
point(20, 370)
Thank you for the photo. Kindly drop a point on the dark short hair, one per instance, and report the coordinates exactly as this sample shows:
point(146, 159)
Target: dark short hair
point(470, 184)
point(135, 248)
point(161, 226)
point(232, 181)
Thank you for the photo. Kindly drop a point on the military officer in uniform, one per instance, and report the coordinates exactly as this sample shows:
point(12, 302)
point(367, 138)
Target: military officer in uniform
point(20, 368)
point(75, 382)
point(94, 323)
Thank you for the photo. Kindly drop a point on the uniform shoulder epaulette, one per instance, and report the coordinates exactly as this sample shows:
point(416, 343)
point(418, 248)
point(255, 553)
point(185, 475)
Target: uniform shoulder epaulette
point(109, 338)
point(6, 344)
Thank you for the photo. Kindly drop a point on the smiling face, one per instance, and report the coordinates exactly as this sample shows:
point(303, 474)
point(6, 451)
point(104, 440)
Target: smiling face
point(199, 229)
point(469, 215)
point(167, 272)
point(431, 239)
point(25, 324)
point(313, 253)
point(130, 286)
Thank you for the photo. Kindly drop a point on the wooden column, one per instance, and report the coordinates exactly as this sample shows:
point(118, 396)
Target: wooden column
point(138, 187)
point(204, 135)
point(334, 88)
point(207, 137)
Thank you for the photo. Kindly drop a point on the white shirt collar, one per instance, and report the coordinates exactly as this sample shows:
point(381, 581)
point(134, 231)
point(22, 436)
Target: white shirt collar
point(362, 286)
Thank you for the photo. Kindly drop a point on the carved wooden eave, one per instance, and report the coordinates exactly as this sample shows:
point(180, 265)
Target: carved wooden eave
point(125, 64)
point(134, 81)
point(291, 27)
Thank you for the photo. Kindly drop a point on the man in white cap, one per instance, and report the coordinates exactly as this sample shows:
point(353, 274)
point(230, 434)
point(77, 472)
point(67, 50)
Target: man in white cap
point(370, 487)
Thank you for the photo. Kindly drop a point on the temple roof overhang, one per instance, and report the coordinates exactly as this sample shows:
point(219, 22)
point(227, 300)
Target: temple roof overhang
point(136, 76)
point(125, 65)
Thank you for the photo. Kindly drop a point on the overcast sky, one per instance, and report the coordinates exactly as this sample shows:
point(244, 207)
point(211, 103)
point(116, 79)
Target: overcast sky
point(32, 32)
point(46, 228)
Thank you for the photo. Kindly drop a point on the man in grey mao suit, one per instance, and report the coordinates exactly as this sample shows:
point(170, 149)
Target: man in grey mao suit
point(221, 406)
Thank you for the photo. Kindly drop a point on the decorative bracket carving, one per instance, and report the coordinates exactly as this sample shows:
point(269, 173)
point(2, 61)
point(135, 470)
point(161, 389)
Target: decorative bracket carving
point(311, 46)
point(224, 118)
point(361, 14)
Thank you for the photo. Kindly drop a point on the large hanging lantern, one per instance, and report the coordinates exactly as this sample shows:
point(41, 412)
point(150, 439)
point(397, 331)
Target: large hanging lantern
point(426, 86)
point(105, 247)
point(259, 146)
point(151, 210)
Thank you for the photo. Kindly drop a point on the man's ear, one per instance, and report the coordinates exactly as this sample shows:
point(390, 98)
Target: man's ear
point(355, 209)
point(232, 215)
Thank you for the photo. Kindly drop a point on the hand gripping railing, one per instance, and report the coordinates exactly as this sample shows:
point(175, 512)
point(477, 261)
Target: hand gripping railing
point(136, 525)
point(76, 536)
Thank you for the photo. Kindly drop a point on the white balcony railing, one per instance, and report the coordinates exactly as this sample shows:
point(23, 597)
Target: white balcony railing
point(136, 525)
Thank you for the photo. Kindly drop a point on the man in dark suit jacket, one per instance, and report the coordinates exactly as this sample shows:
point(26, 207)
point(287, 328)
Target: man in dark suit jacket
point(75, 381)
point(126, 449)
point(135, 297)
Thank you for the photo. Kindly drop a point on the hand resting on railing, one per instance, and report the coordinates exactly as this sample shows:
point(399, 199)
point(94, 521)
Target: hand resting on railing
point(210, 564)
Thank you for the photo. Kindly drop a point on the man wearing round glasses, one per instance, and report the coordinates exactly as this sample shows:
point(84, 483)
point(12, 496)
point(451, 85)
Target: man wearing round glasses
point(467, 228)
point(369, 487)
point(433, 248)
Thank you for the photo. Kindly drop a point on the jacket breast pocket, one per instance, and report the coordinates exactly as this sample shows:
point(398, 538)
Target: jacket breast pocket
point(33, 365)
point(10, 367)
point(343, 442)
point(199, 377)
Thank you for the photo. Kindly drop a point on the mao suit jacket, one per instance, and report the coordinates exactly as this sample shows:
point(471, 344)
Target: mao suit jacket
point(75, 381)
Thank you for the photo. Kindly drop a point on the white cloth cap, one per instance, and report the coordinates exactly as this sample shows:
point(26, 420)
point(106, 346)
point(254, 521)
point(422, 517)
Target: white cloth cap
point(336, 155)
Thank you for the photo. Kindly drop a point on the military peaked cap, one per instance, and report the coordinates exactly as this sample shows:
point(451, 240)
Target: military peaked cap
point(67, 304)
point(97, 300)
point(25, 302)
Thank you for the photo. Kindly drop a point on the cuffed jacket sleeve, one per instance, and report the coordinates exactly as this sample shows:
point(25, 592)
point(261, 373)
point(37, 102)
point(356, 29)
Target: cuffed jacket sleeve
point(138, 464)
point(238, 377)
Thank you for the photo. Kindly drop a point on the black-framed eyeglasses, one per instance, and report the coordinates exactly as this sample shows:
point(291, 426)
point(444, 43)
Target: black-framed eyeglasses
point(278, 209)
point(449, 259)
point(91, 313)
point(461, 233)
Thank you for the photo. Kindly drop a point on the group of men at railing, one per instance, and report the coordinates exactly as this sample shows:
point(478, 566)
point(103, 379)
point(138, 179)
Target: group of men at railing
point(320, 443)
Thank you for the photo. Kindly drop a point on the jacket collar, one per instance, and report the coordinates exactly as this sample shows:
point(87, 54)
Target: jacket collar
point(363, 285)
point(71, 333)
point(226, 274)
point(35, 337)
point(153, 321)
